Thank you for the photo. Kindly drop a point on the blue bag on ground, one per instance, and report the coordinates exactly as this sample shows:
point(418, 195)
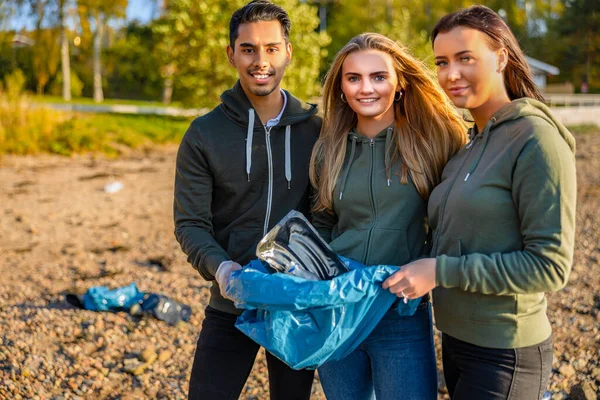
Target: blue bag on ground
point(306, 322)
point(101, 298)
point(129, 298)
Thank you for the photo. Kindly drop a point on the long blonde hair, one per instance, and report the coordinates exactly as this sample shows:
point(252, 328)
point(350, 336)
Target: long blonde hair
point(427, 133)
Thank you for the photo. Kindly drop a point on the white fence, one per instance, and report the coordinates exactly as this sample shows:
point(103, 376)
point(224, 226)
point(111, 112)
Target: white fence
point(571, 109)
point(127, 109)
point(575, 109)
point(577, 115)
point(573, 100)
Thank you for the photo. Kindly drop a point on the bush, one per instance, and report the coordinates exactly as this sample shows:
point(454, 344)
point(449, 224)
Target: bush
point(14, 83)
point(76, 85)
point(30, 129)
point(23, 129)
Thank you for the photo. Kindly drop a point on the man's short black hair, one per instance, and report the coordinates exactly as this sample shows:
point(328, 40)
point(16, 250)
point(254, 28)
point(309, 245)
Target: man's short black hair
point(259, 10)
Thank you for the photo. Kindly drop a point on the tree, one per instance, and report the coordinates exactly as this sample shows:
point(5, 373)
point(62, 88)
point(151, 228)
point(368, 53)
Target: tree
point(45, 57)
point(100, 12)
point(131, 66)
point(405, 21)
point(65, 60)
point(579, 29)
point(49, 17)
point(45, 49)
point(7, 11)
point(192, 38)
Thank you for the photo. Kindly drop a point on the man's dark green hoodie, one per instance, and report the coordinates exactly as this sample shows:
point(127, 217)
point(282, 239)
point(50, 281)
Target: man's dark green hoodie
point(235, 179)
point(504, 227)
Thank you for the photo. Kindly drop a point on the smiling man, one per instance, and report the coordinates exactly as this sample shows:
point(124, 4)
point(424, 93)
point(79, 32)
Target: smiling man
point(240, 169)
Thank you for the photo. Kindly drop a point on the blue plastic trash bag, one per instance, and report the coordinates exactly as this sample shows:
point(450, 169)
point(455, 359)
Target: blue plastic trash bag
point(101, 298)
point(304, 322)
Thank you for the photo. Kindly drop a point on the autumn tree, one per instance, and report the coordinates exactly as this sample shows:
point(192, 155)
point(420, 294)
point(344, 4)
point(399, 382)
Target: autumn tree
point(192, 38)
point(99, 13)
point(579, 29)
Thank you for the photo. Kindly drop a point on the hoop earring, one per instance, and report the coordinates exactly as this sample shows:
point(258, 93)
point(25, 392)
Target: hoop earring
point(343, 98)
point(399, 93)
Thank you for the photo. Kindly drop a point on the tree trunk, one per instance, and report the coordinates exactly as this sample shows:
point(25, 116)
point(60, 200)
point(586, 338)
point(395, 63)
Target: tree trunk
point(65, 60)
point(98, 94)
point(168, 86)
point(388, 12)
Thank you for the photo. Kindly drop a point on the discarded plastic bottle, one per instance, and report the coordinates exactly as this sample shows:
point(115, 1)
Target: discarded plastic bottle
point(547, 396)
point(166, 309)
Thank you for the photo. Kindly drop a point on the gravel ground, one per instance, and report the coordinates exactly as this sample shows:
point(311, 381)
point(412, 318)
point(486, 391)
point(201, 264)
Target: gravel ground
point(62, 233)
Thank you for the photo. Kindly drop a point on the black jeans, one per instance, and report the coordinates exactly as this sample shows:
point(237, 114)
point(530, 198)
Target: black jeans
point(224, 358)
point(481, 373)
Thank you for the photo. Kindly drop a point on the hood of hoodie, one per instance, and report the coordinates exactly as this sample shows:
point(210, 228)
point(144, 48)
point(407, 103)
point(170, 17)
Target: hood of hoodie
point(530, 107)
point(235, 104)
point(237, 107)
point(524, 107)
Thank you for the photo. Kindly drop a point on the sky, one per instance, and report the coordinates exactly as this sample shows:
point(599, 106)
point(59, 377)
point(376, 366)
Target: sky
point(140, 10)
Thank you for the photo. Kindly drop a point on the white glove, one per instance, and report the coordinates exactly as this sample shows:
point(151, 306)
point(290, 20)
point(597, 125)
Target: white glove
point(223, 273)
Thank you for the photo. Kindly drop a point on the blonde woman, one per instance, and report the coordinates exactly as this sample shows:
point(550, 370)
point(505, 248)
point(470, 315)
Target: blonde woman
point(387, 134)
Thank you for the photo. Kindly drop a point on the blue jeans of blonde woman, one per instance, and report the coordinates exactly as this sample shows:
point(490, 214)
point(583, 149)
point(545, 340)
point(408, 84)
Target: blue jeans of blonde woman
point(396, 361)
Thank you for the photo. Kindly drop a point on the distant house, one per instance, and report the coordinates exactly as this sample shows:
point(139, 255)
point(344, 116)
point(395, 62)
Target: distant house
point(21, 41)
point(540, 71)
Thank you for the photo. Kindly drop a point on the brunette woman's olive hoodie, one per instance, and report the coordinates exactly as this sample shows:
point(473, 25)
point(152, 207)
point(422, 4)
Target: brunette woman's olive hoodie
point(504, 226)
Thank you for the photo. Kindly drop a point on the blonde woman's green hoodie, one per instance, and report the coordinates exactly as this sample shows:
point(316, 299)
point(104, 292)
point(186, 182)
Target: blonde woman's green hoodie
point(504, 224)
point(375, 219)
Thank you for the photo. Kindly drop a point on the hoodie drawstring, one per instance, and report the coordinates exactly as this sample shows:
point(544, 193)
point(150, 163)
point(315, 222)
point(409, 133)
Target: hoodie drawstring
point(388, 153)
point(348, 167)
point(249, 136)
point(487, 134)
point(288, 156)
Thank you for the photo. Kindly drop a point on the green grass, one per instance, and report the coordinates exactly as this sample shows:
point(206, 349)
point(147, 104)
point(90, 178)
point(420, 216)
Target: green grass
point(27, 130)
point(583, 129)
point(133, 131)
point(110, 102)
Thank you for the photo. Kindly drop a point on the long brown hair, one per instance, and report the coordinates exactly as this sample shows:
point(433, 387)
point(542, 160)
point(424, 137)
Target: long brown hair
point(517, 75)
point(427, 131)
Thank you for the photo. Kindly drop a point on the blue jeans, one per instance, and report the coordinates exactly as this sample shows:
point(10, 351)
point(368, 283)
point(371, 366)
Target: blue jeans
point(396, 361)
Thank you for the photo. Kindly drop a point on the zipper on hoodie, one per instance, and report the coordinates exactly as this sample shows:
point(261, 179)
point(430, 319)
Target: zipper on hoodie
point(370, 234)
point(469, 146)
point(270, 185)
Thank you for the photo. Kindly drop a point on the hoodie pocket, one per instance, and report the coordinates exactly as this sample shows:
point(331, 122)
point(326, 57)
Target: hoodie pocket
point(492, 309)
point(351, 244)
point(461, 305)
point(452, 303)
point(241, 246)
point(447, 246)
point(389, 246)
